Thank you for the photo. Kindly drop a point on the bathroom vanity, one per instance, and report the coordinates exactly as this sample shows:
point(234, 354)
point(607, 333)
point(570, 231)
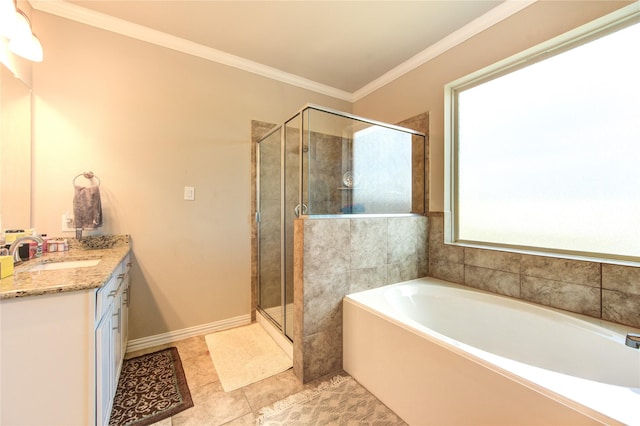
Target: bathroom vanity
point(63, 334)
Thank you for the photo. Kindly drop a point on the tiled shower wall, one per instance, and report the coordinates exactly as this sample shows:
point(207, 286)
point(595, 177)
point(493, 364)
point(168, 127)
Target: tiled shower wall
point(335, 257)
point(600, 290)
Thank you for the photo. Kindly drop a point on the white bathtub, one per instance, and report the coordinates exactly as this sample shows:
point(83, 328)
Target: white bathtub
point(439, 353)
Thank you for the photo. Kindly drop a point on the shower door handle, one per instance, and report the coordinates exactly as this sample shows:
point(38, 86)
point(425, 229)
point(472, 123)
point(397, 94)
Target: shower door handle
point(297, 210)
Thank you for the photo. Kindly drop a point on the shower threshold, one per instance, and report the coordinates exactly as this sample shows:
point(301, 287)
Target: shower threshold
point(275, 333)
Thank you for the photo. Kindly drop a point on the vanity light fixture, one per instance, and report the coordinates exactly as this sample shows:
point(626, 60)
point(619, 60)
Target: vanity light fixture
point(15, 26)
point(7, 17)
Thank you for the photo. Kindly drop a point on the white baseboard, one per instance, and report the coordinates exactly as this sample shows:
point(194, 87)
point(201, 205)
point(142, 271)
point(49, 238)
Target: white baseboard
point(173, 336)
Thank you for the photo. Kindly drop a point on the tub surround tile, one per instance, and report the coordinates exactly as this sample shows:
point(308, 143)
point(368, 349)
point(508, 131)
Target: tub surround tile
point(600, 290)
point(445, 261)
point(323, 301)
point(298, 297)
point(423, 266)
point(367, 279)
point(420, 198)
point(401, 247)
point(368, 242)
point(323, 353)
point(492, 280)
point(326, 246)
point(437, 247)
point(447, 253)
point(422, 236)
point(402, 271)
point(492, 259)
point(298, 360)
point(624, 279)
point(581, 299)
point(444, 270)
point(567, 270)
point(422, 250)
point(621, 307)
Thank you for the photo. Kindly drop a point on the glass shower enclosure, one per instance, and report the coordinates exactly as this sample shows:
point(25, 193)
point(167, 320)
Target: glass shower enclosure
point(278, 188)
point(323, 162)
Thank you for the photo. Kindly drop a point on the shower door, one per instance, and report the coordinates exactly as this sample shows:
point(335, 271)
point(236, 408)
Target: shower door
point(278, 195)
point(270, 227)
point(291, 209)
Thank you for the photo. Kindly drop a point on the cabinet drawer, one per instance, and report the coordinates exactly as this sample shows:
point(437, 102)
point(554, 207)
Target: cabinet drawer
point(126, 264)
point(106, 295)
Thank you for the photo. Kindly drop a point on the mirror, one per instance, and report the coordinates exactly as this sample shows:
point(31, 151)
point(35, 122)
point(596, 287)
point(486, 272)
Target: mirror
point(15, 152)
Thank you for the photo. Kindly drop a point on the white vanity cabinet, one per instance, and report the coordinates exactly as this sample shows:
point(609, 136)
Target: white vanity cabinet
point(61, 353)
point(112, 307)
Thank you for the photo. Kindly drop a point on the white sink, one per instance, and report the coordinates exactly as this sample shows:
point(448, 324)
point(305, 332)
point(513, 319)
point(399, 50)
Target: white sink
point(64, 265)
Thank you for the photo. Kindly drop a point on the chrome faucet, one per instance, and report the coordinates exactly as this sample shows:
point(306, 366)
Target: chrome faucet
point(633, 340)
point(13, 248)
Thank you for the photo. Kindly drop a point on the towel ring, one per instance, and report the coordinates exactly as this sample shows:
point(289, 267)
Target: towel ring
point(87, 175)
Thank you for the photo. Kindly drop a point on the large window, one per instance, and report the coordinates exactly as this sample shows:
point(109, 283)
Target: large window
point(544, 148)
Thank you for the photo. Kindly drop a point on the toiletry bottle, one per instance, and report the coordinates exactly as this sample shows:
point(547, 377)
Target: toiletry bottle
point(33, 249)
point(45, 241)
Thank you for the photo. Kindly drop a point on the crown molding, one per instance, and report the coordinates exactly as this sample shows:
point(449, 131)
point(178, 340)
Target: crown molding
point(82, 15)
point(492, 17)
point(119, 26)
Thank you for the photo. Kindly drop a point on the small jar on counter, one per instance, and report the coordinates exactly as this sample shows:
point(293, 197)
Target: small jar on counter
point(52, 246)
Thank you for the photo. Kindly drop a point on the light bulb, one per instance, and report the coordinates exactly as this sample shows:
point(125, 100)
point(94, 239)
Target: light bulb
point(23, 42)
point(7, 18)
point(29, 47)
point(22, 26)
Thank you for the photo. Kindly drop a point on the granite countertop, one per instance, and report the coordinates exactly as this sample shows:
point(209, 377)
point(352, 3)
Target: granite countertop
point(111, 250)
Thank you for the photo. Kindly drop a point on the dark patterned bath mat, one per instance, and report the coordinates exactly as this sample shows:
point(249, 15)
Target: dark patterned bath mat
point(152, 387)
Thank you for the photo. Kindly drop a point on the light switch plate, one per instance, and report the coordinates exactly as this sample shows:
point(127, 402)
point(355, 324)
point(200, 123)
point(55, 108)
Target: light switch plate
point(189, 193)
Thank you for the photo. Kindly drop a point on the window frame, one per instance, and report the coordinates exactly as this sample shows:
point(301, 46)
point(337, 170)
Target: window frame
point(623, 17)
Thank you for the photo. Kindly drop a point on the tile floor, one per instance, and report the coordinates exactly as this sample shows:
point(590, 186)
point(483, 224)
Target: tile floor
point(212, 405)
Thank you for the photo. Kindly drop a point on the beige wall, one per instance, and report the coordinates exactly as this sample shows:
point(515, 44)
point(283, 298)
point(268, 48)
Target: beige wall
point(423, 88)
point(149, 121)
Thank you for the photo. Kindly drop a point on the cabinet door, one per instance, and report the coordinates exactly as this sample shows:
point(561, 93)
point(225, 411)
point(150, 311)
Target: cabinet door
point(104, 385)
point(126, 302)
point(126, 294)
point(116, 341)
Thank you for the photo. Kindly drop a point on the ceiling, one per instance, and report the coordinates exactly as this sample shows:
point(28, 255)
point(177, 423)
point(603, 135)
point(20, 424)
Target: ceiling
point(342, 48)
